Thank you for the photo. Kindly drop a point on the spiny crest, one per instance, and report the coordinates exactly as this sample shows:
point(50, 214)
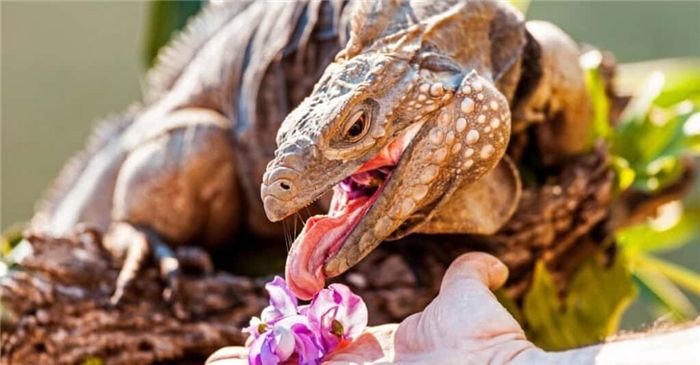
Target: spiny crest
point(369, 22)
point(173, 59)
point(361, 14)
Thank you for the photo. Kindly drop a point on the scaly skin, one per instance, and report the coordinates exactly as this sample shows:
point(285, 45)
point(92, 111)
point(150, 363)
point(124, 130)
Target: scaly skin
point(182, 168)
point(178, 170)
point(448, 73)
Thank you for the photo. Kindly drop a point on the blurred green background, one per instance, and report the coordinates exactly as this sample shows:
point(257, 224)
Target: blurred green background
point(65, 64)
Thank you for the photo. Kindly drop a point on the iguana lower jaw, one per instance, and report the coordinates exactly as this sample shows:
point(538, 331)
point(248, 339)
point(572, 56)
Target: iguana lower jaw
point(324, 235)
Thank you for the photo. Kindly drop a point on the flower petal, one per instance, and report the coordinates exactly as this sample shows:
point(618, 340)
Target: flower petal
point(335, 316)
point(267, 353)
point(261, 351)
point(281, 298)
point(284, 342)
point(253, 327)
point(337, 304)
point(306, 344)
point(270, 314)
point(352, 311)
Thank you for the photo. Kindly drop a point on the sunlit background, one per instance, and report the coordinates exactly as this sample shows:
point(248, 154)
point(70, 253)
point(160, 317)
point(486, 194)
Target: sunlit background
point(66, 64)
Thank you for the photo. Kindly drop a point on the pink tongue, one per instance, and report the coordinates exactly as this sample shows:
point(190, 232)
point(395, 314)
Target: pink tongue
point(321, 237)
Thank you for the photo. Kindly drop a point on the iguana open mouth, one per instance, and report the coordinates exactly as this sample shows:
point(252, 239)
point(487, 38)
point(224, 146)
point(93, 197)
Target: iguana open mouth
point(324, 235)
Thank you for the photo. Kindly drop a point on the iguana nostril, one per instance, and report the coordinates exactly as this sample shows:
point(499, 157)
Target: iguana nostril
point(285, 186)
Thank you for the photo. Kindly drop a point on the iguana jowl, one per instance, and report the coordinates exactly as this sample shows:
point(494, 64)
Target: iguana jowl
point(409, 126)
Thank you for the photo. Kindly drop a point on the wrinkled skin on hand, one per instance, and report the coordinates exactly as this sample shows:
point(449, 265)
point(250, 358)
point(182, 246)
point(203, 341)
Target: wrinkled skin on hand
point(465, 324)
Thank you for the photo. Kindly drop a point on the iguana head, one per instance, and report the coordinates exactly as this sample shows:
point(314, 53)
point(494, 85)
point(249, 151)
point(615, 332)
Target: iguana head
point(392, 127)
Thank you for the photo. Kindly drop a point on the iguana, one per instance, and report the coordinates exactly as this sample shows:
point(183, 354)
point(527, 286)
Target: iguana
point(408, 124)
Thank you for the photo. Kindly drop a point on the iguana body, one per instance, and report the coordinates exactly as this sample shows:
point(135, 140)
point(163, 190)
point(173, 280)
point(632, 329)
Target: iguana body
point(186, 167)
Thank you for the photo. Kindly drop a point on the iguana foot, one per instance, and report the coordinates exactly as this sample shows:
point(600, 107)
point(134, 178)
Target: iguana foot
point(172, 265)
point(125, 240)
point(135, 244)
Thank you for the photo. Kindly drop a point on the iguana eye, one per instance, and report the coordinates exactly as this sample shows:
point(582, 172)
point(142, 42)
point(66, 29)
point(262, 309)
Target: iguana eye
point(358, 127)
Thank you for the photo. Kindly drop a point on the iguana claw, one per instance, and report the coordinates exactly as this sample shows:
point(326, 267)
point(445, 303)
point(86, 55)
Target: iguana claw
point(142, 242)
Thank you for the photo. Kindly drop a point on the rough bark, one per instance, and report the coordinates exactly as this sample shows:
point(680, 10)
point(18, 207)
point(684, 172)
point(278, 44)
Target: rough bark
point(58, 302)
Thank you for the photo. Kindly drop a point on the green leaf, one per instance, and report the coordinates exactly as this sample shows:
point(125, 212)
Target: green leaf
point(640, 136)
point(686, 132)
point(658, 174)
point(652, 146)
point(13, 247)
point(93, 361)
point(166, 18)
point(542, 313)
point(10, 237)
point(678, 274)
point(598, 296)
point(624, 174)
point(590, 311)
point(654, 237)
point(648, 143)
point(596, 88)
point(682, 79)
point(641, 103)
point(653, 132)
point(19, 252)
point(665, 293)
point(681, 87)
point(521, 5)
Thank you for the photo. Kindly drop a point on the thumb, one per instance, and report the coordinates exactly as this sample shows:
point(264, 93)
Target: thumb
point(466, 299)
point(229, 356)
point(464, 310)
point(475, 266)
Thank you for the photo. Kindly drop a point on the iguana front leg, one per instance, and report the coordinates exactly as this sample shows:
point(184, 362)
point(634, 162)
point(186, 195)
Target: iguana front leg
point(135, 245)
point(553, 95)
point(177, 187)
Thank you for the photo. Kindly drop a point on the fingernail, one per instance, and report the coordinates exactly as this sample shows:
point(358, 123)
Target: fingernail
point(497, 266)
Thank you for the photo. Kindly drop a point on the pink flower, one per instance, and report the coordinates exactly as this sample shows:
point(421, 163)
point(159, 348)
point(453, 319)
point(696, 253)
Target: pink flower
point(272, 347)
point(288, 336)
point(284, 328)
point(337, 315)
point(282, 301)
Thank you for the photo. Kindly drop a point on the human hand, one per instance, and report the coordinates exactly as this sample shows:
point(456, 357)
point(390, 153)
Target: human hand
point(464, 324)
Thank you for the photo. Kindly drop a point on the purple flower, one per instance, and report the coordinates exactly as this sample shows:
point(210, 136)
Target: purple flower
point(334, 317)
point(337, 315)
point(289, 335)
point(256, 327)
point(272, 347)
point(282, 301)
